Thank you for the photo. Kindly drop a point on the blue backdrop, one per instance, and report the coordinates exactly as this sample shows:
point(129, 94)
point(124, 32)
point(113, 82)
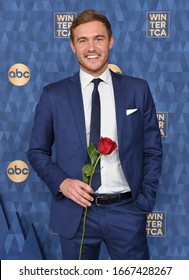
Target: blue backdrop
point(151, 41)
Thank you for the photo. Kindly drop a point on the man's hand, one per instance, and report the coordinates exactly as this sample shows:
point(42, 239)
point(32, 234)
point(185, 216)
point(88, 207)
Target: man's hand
point(77, 191)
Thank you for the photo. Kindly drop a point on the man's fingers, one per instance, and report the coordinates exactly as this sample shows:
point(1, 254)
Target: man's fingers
point(77, 191)
point(80, 200)
point(86, 187)
point(81, 196)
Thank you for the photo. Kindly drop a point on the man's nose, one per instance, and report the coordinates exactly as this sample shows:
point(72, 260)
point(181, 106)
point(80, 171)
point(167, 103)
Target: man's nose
point(91, 45)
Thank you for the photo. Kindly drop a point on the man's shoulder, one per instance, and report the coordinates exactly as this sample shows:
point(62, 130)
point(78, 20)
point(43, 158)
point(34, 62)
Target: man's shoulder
point(132, 80)
point(128, 78)
point(61, 83)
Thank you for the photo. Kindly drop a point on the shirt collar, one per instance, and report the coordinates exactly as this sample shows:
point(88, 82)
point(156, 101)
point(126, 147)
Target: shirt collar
point(87, 78)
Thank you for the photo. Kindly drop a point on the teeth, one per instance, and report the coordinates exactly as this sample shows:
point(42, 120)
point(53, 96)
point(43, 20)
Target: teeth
point(92, 56)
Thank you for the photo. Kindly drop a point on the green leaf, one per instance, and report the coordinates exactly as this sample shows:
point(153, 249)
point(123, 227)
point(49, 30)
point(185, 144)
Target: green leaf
point(93, 153)
point(87, 170)
point(85, 179)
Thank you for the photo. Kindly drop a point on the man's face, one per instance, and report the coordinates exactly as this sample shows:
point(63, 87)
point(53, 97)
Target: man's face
point(91, 46)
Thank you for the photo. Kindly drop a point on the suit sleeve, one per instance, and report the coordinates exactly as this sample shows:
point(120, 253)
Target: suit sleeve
point(152, 154)
point(41, 142)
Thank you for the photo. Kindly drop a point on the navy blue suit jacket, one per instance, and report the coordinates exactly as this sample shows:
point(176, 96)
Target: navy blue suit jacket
point(59, 121)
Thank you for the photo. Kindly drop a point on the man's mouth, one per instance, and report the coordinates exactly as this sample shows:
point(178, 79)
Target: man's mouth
point(92, 56)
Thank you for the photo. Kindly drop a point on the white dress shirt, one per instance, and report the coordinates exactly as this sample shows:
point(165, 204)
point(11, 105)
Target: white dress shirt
point(112, 177)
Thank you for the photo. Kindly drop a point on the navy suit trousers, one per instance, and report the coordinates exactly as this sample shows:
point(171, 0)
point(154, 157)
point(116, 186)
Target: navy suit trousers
point(121, 226)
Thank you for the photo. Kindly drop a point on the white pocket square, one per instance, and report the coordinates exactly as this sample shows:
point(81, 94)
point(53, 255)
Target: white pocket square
point(130, 111)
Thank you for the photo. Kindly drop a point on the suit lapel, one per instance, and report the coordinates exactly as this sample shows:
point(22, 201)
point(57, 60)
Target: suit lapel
point(77, 108)
point(119, 93)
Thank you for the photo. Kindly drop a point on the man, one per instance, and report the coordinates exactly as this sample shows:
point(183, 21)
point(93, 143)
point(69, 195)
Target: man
point(117, 208)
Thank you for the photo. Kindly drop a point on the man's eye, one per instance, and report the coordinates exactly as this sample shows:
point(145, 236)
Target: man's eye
point(100, 39)
point(82, 41)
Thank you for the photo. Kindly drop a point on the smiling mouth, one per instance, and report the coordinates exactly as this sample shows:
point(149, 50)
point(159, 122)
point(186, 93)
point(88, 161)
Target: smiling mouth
point(92, 56)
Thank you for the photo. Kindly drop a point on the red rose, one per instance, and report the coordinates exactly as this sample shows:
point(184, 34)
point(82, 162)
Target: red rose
point(106, 146)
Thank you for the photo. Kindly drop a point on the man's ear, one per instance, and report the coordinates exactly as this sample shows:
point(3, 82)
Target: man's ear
point(72, 46)
point(111, 42)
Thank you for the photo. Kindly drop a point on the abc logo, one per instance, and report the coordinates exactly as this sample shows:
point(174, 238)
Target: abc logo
point(19, 74)
point(17, 171)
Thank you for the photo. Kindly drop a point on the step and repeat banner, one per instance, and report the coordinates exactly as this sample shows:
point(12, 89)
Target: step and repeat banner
point(151, 42)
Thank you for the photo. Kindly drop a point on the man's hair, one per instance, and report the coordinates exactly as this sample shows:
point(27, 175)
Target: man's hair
point(88, 16)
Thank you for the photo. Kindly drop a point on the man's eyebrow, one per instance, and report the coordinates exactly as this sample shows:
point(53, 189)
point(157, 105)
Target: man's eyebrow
point(99, 36)
point(81, 38)
point(85, 38)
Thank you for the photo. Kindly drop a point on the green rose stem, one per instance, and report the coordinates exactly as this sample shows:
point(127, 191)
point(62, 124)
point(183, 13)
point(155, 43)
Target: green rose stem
point(85, 213)
point(105, 147)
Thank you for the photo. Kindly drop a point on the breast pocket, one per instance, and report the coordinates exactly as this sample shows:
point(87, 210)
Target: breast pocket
point(133, 125)
point(132, 114)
